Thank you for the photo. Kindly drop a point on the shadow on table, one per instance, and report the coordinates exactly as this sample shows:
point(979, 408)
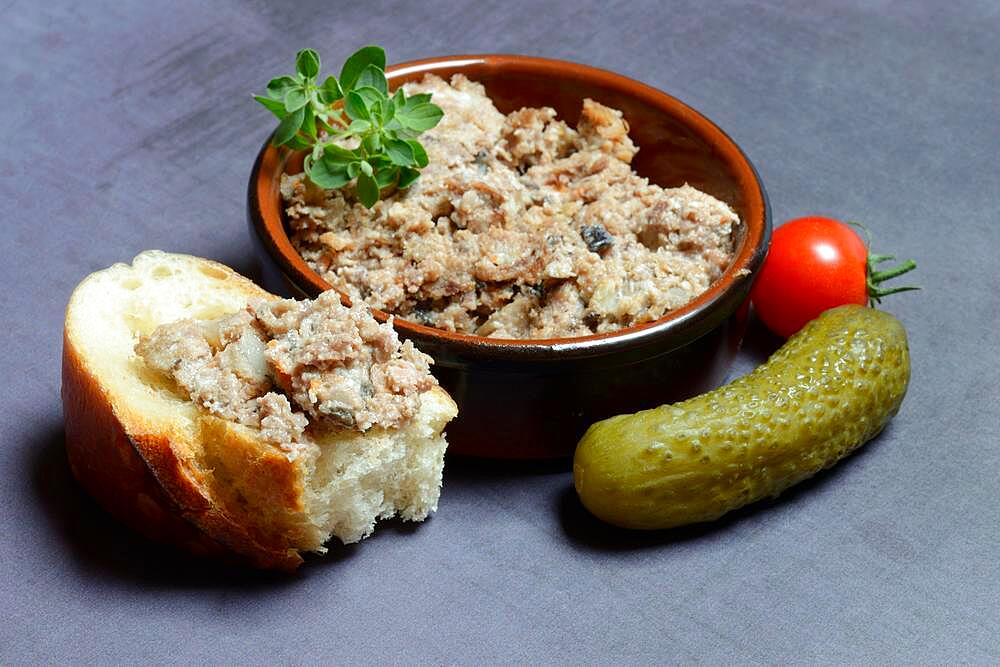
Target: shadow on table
point(102, 546)
point(758, 342)
point(587, 532)
point(467, 469)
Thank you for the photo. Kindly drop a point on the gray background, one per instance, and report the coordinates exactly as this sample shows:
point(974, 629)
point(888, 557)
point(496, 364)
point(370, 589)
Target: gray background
point(129, 126)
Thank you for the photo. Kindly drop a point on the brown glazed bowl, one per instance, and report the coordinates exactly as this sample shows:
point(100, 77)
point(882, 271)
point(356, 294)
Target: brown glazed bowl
point(535, 398)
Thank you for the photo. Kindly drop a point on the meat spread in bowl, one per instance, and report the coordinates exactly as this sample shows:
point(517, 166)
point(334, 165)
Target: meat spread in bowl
point(520, 227)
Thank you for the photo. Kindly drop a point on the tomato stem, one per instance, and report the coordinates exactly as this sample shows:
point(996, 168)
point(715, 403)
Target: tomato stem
point(875, 278)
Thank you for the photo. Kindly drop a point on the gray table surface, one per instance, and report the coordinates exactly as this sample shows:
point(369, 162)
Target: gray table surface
point(129, 126)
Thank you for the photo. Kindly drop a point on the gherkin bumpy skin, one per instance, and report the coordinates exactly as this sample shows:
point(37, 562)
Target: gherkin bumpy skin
point(832, 387)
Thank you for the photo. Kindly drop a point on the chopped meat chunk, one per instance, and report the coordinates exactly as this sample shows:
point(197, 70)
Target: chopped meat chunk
point(224, 381)
point(603, 128)
point(341, 366)
point(279, 424)
point(534, 136)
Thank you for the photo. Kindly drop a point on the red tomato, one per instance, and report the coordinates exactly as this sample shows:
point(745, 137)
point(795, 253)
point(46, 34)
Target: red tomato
point(813, 264)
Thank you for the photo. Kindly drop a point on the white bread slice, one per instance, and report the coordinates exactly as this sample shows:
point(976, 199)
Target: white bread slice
point(177, 474)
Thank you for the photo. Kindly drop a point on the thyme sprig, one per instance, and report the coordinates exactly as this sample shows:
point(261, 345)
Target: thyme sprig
point(352, 127)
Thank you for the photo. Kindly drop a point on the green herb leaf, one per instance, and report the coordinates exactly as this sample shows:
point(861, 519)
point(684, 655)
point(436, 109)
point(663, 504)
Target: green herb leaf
point(276, 88)
point(370, 95)
point(417, 100)
point(274, 106)
point(359, 126)
point(353, 169)
point(400, 152)
point(309, 122)
point(366, 169)
point(357, 62)
point(419, 154)
point(420, 118)
point(406, 177)
point(368, 190)
point(388, 110)
point(386, 176)
point(339, 154)
point(307, 63)
point(405, 133)
point(376, 110)
point(373, 77)
point(372, 144)
point(355, 106)
point(297, 143)
point(295, 99)
point(328, 175)
point(330, 91)
point(288, 126)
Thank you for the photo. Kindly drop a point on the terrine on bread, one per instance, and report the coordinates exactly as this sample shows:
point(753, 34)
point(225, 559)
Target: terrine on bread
point(205, 412)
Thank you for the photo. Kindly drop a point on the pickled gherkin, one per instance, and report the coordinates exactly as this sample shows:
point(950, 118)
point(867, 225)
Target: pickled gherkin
point(829, 389)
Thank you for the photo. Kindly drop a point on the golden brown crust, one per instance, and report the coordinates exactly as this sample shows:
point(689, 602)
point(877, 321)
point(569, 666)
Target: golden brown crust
point(139, 478)
point(105, 462)
point(265, 474)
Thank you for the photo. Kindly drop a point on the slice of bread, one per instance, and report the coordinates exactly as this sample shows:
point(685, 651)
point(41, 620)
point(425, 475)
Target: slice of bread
point(177, 474)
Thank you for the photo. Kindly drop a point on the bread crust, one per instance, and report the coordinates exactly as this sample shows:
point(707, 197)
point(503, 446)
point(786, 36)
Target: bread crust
point(139, 479)
point(104, 459)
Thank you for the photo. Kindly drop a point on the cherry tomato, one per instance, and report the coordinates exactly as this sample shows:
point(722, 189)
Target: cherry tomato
point(813, 264)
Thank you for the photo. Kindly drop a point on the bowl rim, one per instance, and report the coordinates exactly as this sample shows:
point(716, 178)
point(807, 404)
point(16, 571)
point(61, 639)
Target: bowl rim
point(681, 325)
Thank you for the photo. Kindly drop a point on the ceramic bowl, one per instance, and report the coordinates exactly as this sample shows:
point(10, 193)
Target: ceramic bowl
point(535, 398)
